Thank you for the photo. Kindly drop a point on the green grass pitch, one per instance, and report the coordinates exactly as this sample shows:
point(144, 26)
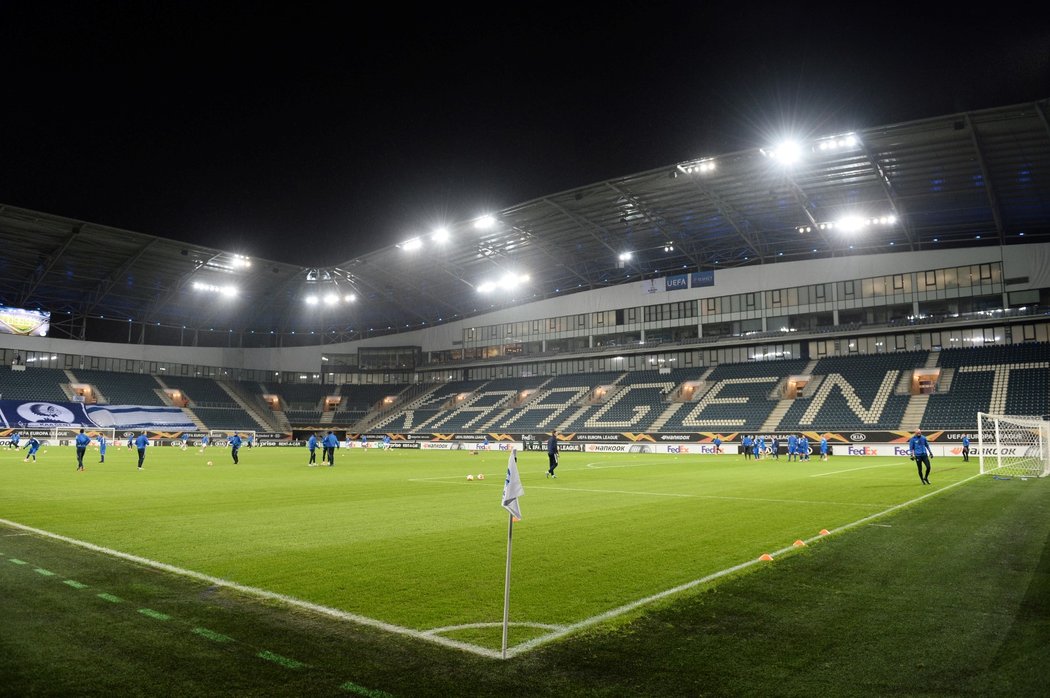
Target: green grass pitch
point(403, 538)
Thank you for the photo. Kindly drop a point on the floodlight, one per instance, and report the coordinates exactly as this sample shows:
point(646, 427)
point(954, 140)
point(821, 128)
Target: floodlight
point(485, 222)
point(350, 297)
point(624, 256)
point(331, 299)
point(788, 152)
point(311, 300)
point(851, 224)
point(410, 245)
point(440, 235)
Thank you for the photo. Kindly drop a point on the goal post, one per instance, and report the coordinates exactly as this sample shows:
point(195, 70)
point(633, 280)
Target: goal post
point(221, 437)
point(64, 436)
point(1013, 445)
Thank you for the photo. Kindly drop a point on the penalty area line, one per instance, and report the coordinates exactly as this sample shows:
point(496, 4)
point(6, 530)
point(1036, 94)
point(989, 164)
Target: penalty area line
point(863, 467)
point(256, 592)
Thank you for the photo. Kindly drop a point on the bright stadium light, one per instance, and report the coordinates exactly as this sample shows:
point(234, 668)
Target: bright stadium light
point(788, 152)
point(331, 299)
point(440, 235)
point(311, 300)
point(485, 222)
point(625, 256)
point(410, 245)
point(350, 297)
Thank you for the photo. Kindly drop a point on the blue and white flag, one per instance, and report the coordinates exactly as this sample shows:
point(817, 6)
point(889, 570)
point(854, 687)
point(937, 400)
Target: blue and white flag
point(512, 488)
point(139, 416)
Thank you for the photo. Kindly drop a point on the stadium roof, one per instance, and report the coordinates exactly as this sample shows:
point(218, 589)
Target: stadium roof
point(958, 180)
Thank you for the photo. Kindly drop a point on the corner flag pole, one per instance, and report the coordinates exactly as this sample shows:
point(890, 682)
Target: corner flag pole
point(506, 586)
point(512, 489)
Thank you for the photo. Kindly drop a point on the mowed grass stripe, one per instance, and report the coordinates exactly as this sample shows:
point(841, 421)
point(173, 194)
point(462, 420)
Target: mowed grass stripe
point(362, 539)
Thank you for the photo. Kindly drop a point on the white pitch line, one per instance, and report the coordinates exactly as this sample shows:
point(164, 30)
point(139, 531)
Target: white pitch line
point(495, 624)
point(263, 593)
point(864, 467)
point(717, 496)
point(626, 608)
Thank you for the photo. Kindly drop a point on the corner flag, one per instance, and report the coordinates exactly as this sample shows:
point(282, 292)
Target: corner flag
point(512, 488)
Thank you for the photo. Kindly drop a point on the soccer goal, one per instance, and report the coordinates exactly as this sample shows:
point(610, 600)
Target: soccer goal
point(64, 436)
point(1008, 445)
point(221, 437)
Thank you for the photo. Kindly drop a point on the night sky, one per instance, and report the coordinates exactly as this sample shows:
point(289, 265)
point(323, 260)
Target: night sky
point(311, 136)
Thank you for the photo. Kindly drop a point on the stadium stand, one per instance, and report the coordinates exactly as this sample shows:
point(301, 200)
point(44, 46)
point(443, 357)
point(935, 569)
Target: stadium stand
point(735, 397)
point(855, 392)
point(1006, 379)
point(122, 388)
point(34, 384)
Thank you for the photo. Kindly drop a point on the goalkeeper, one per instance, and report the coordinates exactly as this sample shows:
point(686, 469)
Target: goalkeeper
point(920, 453)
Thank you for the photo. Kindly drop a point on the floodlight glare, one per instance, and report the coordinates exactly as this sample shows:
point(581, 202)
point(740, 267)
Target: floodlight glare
point(851, 224)
point(410, 245)
point(485, 222)
point(331, 299)
point(311, 300)
point(624, 256)
point(788, 152)
point(350, 297)
point(486, 287)
point(440, 235)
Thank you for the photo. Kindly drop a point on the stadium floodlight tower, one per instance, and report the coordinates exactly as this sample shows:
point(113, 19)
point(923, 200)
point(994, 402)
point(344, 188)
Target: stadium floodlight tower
point(1008, 445)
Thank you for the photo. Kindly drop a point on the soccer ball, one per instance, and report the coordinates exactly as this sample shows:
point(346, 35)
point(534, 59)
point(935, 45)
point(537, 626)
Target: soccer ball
point(209, 462)
point(470, 477)
point(481, 476)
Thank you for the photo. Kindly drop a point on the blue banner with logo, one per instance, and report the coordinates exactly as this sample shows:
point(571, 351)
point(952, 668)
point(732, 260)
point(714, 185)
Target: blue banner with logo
point(702, 278)
point(676, 282)
point(16, 413)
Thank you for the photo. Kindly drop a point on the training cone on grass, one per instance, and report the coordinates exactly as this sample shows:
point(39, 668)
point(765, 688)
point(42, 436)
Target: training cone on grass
point(825, 532)
point(766, 557)
point(799, 544)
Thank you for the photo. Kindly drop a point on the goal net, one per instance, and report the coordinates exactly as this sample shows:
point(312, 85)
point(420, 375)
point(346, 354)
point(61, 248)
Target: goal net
point(221, 437)
point(64, 436)
point(1008, 445)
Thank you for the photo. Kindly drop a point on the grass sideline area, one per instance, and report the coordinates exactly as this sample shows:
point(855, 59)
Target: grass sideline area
point(911, 602)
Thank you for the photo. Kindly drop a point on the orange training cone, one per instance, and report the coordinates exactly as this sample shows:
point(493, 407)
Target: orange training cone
point(825, 532)
point(766, 557)
point(799, 544)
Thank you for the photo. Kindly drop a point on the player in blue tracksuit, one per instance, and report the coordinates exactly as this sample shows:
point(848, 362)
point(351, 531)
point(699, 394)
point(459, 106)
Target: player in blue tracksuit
point(717, 441)
point(329, 444)
point(101, 448)
point(803, 448)
point(823, 448)
point(761, 446)
point(386, 442)
point(15, 438)
point(311, 444)
point(966, 449)
point(82, 442)
point(33, 445)
point(745, 443)
point(774, 447)
point(235, 445)
point(141, 443)
point(920, 453)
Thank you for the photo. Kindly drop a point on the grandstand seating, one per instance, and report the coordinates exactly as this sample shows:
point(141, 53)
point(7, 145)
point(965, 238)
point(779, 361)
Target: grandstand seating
point(122, 388)
point(855, 392)
point(736, 398)
point(34, 384)
point(981, 383)
point(201, 391)
point(640, 400)
point(420, 412)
